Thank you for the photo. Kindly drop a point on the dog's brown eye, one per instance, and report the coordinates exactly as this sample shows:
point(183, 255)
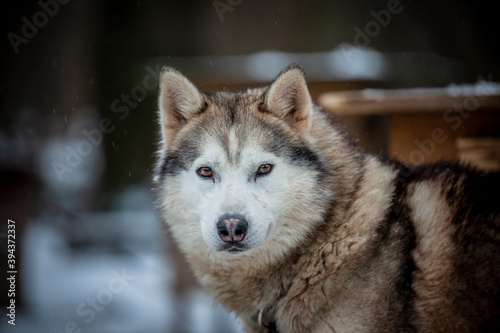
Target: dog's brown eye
point(205, 172)
point(264, 168)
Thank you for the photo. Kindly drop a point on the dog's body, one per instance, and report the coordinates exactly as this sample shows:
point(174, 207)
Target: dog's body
point(295, 229)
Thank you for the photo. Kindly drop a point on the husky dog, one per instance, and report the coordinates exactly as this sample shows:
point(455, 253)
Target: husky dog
point(294, 228)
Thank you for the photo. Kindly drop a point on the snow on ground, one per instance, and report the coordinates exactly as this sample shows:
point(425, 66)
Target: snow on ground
point(115, 277)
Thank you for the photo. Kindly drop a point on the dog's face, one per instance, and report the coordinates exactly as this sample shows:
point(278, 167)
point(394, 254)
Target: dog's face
point(237, 196)
point(235, 168)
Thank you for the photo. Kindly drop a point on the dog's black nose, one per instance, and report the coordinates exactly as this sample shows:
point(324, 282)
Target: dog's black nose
point(232, 228)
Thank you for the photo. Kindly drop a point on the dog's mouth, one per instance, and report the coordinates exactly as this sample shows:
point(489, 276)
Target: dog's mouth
point(234, 248)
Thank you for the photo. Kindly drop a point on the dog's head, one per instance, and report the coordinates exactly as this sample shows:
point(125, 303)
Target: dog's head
point(237, 170)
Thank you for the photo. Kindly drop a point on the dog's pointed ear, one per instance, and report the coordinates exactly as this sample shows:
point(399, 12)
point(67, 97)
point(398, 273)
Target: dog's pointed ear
point(288, 98)
point(179, 100)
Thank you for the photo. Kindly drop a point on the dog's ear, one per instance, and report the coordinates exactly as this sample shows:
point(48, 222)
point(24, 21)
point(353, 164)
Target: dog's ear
point(179, 100)
point(289, 98)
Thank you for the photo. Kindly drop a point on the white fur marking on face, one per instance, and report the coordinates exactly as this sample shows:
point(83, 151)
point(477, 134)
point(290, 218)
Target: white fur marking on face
point(233, 143)
point(280, 199)
point(235, 190)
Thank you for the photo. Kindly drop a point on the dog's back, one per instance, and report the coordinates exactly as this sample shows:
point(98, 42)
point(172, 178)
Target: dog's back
point(455, 214)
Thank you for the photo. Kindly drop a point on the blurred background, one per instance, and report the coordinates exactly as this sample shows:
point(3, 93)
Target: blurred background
point(414, 80)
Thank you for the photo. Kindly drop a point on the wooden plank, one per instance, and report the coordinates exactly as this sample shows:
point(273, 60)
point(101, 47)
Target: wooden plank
point(482, 96)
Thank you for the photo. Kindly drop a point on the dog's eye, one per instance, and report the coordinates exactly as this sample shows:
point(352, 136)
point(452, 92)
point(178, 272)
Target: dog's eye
point(205, 172)
point(264, 168)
